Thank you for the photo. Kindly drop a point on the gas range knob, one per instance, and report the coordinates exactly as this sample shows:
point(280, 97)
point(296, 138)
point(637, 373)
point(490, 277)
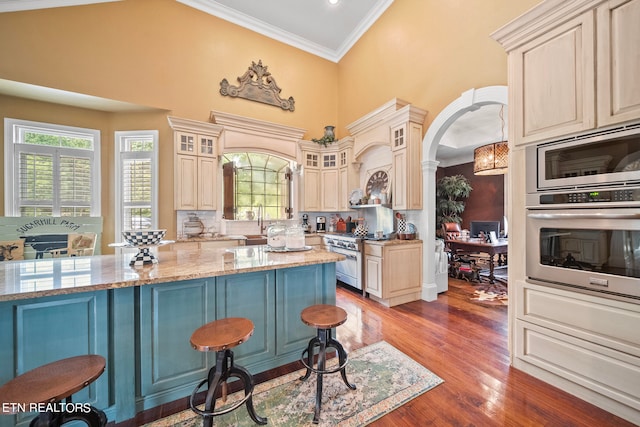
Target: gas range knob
point(352, 246)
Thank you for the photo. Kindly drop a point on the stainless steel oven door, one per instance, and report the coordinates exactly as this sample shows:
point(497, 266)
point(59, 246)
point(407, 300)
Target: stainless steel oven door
point(589, 249)
point(349, 270)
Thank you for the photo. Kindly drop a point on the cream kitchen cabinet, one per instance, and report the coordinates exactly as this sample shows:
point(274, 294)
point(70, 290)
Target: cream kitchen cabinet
point(553, 77)
point(327, 176)
point(558, 76)
point(195, 164)
point(581, 340)
point(618, 61)
point(406, 182)
point(393, 271)
point(398, 126)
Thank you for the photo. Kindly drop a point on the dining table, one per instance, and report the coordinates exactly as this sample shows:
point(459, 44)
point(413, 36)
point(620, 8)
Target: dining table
point(471, 245)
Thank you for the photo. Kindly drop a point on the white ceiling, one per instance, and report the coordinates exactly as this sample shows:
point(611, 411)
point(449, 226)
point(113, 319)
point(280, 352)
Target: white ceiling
point(315, 26)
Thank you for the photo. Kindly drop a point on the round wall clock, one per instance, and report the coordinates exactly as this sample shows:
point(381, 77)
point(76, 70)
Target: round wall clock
point(377, 183)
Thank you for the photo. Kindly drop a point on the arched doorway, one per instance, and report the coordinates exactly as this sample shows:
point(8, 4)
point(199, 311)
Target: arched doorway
point(470, 100)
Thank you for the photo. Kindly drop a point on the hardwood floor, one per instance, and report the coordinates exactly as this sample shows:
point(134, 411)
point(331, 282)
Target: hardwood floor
point(463, 342)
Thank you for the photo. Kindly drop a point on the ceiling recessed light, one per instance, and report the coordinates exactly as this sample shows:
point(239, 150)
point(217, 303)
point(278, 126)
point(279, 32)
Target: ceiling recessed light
point(333, 1)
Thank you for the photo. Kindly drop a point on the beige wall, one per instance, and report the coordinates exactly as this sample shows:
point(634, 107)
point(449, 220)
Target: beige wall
point(426, 52)
point(168, 56)
point(163, 54)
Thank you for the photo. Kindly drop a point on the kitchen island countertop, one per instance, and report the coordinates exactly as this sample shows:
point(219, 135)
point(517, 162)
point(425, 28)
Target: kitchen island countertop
point(59, 276)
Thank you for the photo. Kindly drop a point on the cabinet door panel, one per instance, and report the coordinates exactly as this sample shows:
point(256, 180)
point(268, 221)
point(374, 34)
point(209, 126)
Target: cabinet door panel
point(330, 189)
point(399, 181)
point(169, 313)
point(373, 275)
point(186, 182)
point(207, 183)
point(292, 296)
point(43, 330)
point(251, 296)
point(311, 194)
point(618, 62)
point(554, 82)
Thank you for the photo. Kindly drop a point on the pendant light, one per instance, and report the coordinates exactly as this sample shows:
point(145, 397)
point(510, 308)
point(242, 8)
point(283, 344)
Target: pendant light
point(492, 159)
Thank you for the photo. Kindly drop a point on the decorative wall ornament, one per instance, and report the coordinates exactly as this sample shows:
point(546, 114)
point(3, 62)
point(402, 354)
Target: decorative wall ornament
point(257, 84)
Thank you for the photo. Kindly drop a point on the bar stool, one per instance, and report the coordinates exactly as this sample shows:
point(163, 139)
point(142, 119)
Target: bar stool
point(46, 386)
point(323, 317)
point(221, 336)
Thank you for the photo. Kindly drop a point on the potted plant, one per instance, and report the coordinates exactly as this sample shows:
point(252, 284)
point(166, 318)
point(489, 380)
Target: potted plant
point(451, 191)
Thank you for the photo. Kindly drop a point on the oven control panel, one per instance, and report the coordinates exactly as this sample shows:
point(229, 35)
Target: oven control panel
point(623, 195)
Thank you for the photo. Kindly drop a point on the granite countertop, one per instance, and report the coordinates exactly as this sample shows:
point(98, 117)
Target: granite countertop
point(46, 277)
point(391, 242)
point(211, 238)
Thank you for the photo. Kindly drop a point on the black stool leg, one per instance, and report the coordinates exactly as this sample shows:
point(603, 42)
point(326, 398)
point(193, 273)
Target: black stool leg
point(217, 375)
point(323, 340)
point(310, 347)
point(322, 335)
point(342, 359)
point(246, 378)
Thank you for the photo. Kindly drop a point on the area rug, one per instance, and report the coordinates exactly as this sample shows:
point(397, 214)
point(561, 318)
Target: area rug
point(385, 379)
point(491, 293)
point(490, 297)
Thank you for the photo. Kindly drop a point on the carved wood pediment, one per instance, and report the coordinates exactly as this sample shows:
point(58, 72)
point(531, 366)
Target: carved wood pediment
point(257, 84)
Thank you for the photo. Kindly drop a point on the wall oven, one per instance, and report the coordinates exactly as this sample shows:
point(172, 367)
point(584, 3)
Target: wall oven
point(583, 213)
point(587, 249)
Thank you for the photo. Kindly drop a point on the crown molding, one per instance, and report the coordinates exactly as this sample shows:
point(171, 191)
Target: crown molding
point(271, 31)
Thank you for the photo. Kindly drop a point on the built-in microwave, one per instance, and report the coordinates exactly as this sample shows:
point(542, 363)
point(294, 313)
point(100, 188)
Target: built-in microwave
point(608, 158)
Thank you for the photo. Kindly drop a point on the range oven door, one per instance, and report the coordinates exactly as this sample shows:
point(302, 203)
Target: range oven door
point(349, 270)
point(589, 249)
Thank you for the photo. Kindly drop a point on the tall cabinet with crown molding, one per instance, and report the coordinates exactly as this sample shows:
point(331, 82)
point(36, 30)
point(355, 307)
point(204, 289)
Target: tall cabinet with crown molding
point(572, 68)
point(195, 164)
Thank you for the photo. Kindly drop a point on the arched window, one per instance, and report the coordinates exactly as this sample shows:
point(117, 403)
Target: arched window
point(254, 184)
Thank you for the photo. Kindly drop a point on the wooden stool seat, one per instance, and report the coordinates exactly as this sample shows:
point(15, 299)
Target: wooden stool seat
point(323, 316)
point(54, 381)
point(222, 334)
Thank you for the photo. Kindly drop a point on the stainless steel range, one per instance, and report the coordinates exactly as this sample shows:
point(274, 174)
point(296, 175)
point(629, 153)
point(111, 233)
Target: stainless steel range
point(349, 271)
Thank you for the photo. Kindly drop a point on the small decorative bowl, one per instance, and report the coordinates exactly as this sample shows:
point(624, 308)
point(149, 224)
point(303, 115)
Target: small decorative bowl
point(143, 237)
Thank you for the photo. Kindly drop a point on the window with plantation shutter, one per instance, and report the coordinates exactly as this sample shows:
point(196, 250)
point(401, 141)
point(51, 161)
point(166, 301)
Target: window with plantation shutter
point(51, 170)
point(136, 176)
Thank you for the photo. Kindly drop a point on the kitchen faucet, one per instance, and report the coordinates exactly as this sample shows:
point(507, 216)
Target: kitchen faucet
point(261, 225)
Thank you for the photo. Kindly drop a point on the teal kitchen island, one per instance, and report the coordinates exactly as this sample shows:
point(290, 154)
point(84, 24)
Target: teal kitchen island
point(141, 318)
